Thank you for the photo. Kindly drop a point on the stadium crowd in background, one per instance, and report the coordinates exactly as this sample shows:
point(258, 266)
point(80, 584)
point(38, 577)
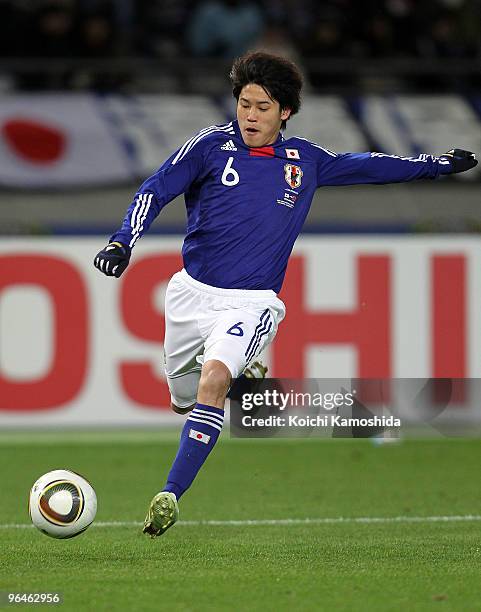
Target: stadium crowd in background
point(224, 28)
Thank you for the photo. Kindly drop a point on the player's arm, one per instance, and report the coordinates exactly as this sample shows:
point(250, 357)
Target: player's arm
point(379, 168)
point(173, 178)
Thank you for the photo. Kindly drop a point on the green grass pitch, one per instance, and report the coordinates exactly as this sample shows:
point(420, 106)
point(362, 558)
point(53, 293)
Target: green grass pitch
point(340, 565)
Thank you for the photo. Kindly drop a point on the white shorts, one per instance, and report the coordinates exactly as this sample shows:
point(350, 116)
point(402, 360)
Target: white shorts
point(204, 322)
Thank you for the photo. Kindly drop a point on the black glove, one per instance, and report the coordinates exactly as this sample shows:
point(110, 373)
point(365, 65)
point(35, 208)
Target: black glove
point(459, 161)
point(113, 259)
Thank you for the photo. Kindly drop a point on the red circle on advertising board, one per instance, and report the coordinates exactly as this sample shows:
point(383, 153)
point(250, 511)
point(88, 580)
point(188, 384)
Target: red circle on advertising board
point(34, 142)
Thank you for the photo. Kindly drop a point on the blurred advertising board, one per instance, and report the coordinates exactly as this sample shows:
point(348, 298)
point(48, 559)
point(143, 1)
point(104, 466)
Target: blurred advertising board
point(82, 140)
point(78, 348)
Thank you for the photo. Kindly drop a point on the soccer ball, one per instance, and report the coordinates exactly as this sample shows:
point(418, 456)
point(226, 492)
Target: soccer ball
point(62, 504)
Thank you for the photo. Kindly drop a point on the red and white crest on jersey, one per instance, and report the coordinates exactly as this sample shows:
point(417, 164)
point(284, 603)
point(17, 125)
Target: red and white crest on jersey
point(293, 175)
point(199, 436)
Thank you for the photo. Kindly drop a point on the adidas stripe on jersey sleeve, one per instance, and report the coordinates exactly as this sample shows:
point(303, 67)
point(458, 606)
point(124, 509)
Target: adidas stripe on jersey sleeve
point(173, 178)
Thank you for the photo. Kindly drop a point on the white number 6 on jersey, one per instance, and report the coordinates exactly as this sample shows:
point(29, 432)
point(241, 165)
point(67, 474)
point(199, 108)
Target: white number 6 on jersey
point(229, 171)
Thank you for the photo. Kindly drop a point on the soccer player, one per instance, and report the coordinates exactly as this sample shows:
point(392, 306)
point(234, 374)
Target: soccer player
point(247, 190)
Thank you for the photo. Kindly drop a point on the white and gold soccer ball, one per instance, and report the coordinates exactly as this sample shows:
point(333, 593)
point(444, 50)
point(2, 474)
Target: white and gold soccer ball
point(62, 504)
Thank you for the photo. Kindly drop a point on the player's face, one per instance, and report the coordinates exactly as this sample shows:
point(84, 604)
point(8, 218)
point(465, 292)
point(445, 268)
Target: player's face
point(259, 116)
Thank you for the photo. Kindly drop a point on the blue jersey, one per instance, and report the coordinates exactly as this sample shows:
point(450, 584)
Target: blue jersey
point(246, 206)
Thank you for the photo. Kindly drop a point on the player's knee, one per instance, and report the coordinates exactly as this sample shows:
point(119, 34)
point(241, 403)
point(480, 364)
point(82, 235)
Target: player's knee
point(215, 378)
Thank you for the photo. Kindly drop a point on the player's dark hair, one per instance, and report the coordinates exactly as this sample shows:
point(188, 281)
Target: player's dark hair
point(280, 77)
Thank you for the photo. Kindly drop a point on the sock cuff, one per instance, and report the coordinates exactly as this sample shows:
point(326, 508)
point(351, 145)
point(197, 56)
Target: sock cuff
point(207, 415)
point(212, 409)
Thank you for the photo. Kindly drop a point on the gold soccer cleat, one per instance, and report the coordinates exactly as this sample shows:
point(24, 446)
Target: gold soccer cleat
point(163, 513)
point(256, 370)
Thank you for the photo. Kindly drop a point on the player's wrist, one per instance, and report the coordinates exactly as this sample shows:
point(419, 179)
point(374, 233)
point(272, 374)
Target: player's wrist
point(125, 247)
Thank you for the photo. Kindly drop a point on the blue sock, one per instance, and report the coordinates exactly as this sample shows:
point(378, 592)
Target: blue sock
point(200, 433)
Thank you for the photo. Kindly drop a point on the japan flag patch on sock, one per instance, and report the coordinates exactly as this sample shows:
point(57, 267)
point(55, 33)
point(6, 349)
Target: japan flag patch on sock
point(199, 436)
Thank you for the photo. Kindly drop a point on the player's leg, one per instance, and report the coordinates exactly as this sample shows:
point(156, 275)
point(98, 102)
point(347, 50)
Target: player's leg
point(201, 429)
point(183, 390)
point(183, 345)
point(227, 349)
point(231, 345)
point(199, 436)
point(214, 384)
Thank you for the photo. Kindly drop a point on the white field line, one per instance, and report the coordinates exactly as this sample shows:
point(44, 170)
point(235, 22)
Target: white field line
point(307, 521)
